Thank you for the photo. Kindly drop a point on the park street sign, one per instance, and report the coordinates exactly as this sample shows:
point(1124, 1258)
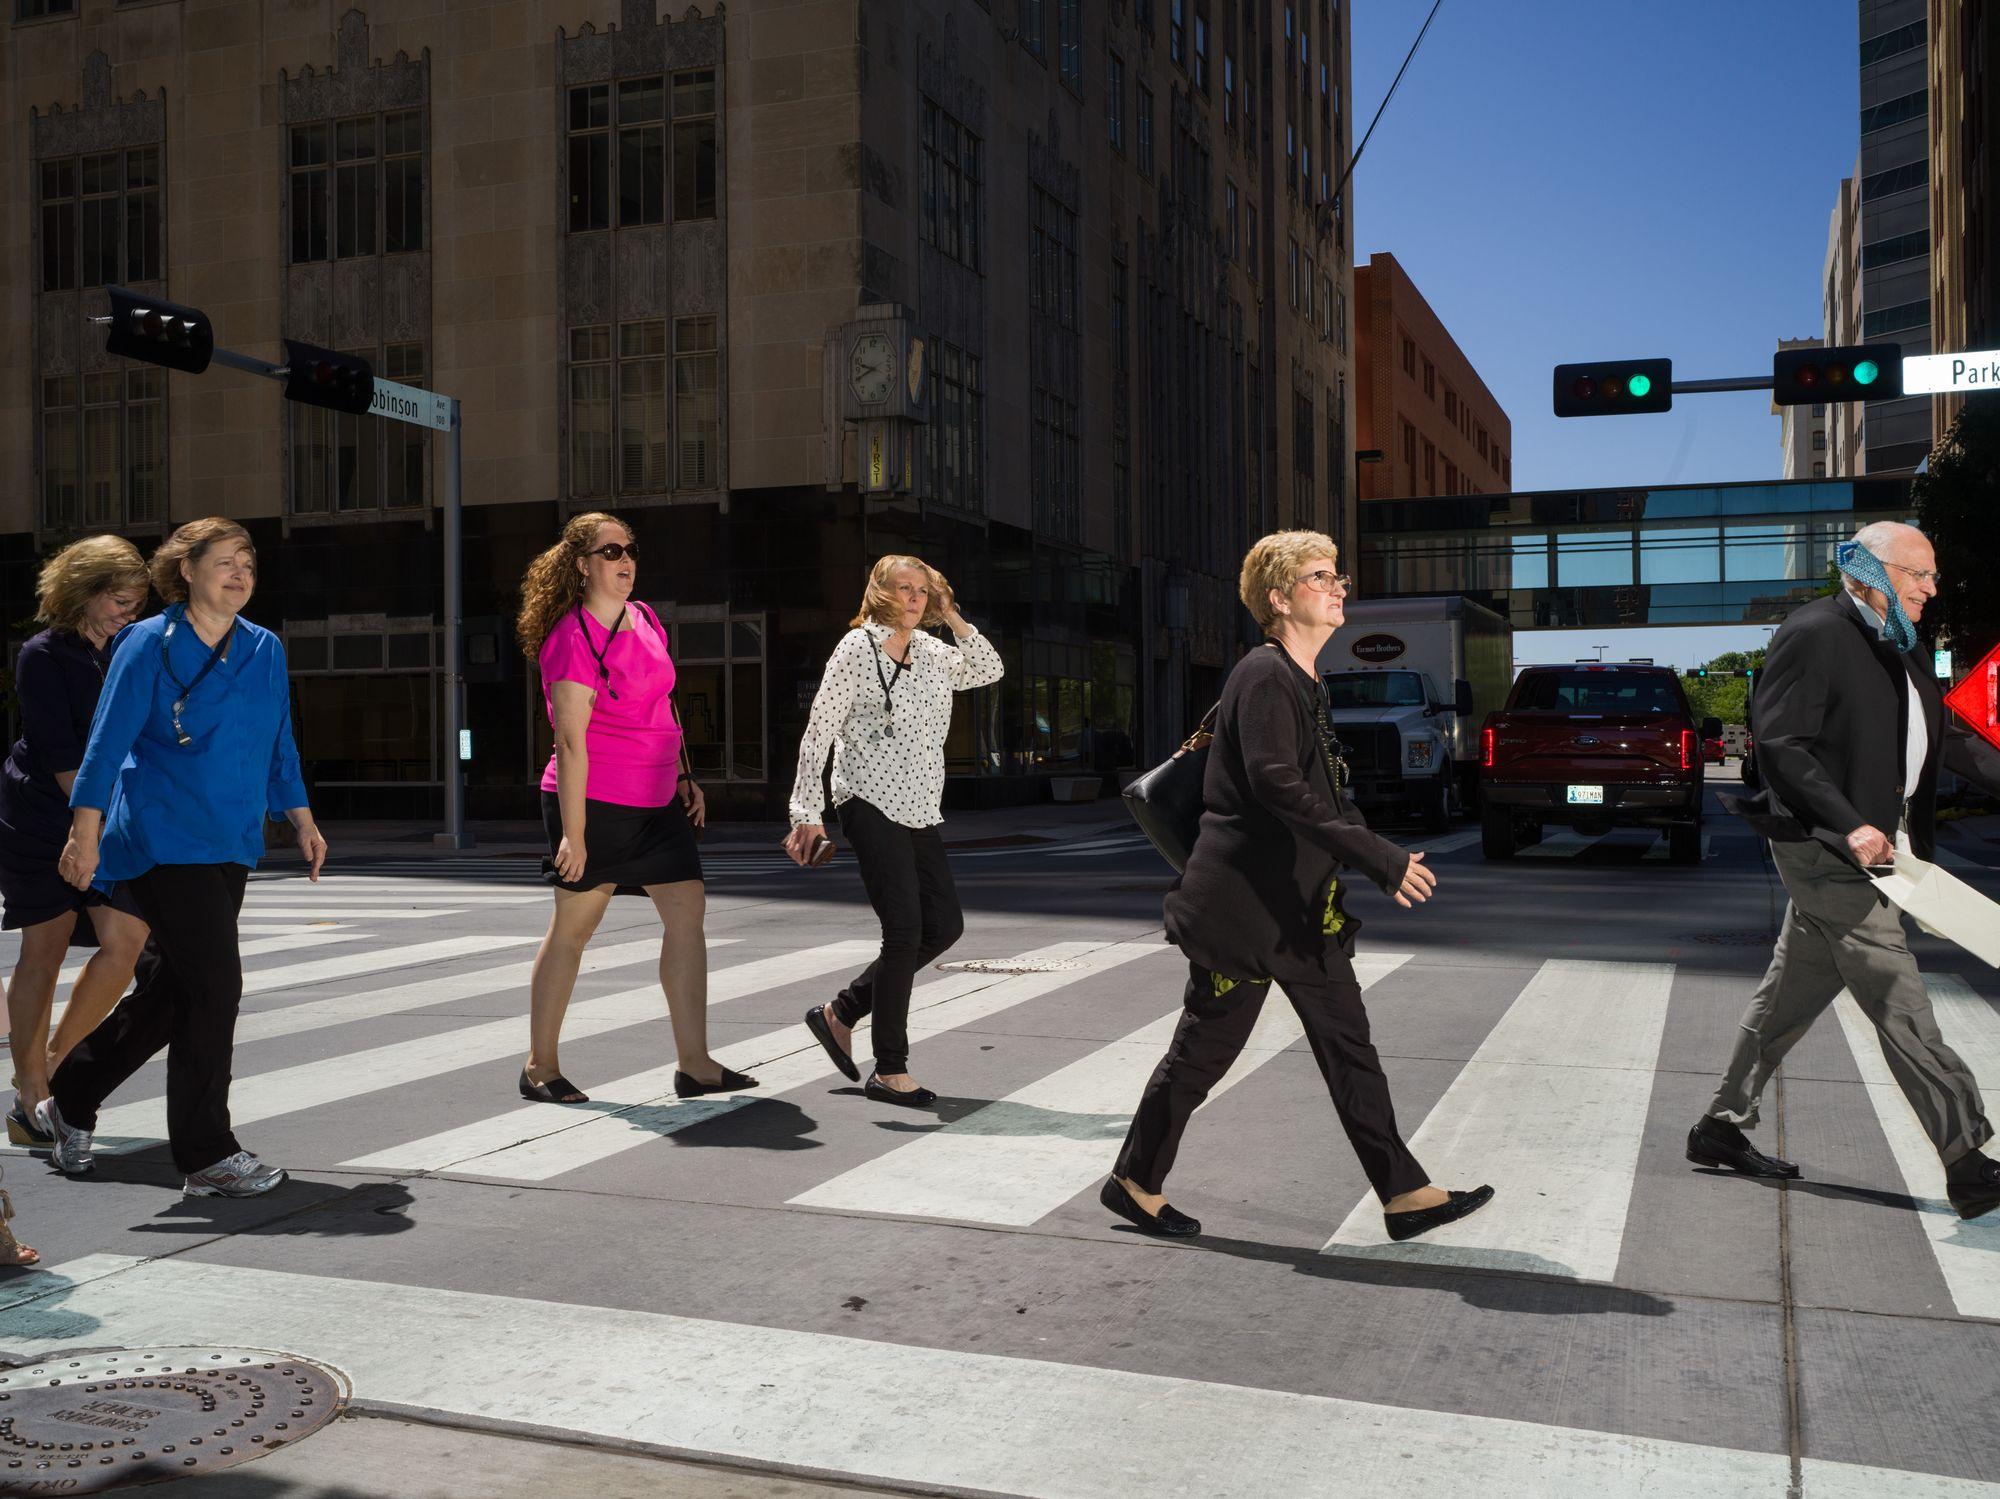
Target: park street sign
point(1977, 698)
point(1946, 374)
point(408, 403)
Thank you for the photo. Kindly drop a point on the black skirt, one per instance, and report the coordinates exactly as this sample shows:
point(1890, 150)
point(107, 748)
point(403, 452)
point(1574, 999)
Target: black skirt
point(31, 892)
point(630, 847)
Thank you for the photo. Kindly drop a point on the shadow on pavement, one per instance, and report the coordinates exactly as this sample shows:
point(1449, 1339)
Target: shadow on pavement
point(306, 1209)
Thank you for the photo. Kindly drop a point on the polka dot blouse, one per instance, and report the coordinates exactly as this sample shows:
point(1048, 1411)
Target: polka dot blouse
point(901, 773)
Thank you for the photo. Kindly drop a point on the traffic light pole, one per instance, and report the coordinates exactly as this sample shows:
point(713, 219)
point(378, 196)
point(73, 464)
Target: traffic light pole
point(1705, 387)
point(454, 835)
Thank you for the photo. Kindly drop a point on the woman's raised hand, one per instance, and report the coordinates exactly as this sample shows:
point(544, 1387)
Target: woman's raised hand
point(1418, 882)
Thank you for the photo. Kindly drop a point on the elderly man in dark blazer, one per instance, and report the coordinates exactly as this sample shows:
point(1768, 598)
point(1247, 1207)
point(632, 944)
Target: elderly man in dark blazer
point(1851, 732)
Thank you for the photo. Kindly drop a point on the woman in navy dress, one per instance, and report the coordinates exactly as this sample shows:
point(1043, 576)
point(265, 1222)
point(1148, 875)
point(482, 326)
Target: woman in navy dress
point(86, 594)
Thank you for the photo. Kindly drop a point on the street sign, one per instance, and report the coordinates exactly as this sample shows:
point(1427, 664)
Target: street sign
point(409, 403)
point(1977, 698)
point(1933, 374)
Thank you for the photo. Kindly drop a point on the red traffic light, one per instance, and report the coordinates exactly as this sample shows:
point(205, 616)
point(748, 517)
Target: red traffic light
point(1584, 388)
point(157, 331)
point(1808, 374)
point(322, 377)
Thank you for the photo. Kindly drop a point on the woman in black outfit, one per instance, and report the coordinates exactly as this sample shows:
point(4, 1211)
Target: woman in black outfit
point(1262, 902)
point(86, 594)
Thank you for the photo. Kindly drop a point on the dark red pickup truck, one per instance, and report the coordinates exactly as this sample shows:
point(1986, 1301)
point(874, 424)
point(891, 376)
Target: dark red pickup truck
point(1593, 746)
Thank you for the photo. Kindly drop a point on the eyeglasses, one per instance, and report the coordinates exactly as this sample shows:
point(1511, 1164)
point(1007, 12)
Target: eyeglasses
point(1326, 582)
point(1922, 575)
point(615, 551)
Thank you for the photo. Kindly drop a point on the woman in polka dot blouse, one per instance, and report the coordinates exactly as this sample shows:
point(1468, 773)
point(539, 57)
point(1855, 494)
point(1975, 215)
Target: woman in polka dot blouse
point(884, 708)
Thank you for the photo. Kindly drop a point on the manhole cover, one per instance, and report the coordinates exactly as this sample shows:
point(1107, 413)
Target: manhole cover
point(1011, 965)
point(1728, 939)
point(149, 1415)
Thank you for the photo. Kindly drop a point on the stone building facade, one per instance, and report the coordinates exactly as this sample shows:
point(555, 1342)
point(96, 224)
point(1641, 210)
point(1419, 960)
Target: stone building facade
point(638, 244)
point(1964, 52)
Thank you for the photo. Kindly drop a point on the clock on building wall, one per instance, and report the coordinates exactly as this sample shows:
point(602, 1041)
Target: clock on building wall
point(881, 366)
point(871, 368)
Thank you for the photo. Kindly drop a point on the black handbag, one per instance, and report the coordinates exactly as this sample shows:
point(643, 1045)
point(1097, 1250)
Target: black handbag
point(1166, 801)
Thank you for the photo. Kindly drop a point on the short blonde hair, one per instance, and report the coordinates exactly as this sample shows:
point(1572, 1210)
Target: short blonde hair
point(880, 604)
point(1274, 562)
point(189, 544)
point(80, 572)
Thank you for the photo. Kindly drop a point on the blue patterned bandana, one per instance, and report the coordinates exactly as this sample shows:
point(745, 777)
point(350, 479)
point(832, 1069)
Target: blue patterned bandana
point(1866, 569)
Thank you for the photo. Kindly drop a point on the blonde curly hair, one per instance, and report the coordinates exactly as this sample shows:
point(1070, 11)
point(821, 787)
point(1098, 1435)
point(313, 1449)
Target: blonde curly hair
point(553, 583)
point(882, 605)
point(1274, 562)
point(79, 573)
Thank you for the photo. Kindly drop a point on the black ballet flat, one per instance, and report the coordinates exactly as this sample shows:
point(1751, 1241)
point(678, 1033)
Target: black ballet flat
point(1422, 1220)
point(916, 1098)
point(557, 1089)
point(694, 1087)
point(1168, 1223)
point(823, 1033)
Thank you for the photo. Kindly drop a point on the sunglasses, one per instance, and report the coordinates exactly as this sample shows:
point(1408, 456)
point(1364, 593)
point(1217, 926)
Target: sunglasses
point(615, 551)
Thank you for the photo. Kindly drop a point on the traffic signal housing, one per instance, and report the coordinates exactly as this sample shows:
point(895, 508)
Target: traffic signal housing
point(322, 377)
point(1614, 387)
point(1849, 372)
point(158, 332)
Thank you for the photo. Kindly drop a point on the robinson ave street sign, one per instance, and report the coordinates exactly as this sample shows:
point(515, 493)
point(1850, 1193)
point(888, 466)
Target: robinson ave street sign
point(1935, 374)
point(407, 403)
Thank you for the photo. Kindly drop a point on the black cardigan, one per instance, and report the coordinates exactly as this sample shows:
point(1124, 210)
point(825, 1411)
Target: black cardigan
point(1252, 902)
point(1829, 721)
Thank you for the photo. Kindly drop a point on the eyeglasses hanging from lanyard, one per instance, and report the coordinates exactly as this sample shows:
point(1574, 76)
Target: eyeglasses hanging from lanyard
point(603, 671)
point(176, 617)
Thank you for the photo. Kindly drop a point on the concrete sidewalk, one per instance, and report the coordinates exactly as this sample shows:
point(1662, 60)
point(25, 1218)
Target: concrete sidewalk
point(1054, 823)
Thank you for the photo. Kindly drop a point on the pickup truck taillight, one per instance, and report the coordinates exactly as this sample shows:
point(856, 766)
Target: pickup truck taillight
point(1486, 749)
point(1690, 749)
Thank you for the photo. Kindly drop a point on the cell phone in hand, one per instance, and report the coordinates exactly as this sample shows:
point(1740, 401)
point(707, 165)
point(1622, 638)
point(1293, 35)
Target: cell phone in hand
point(821, 852)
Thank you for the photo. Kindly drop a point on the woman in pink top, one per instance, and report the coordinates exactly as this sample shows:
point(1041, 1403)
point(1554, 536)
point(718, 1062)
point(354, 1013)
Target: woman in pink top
point(619, 809)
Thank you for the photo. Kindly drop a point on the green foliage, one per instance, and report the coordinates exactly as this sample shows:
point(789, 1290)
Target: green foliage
point(1720, 696)
point(1956, 508)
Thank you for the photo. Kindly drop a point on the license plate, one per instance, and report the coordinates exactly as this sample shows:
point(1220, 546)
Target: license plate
point(1586, 796)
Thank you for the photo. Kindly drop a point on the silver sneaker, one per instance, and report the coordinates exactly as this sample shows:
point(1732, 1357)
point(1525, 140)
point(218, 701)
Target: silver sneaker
point(71, 1150)
point(241, 1175)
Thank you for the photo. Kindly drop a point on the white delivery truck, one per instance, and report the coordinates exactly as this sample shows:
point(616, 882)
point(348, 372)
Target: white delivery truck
point(1411, 681)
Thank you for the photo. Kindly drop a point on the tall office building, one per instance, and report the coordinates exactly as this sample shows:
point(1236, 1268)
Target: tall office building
point(1053, 295)
point(1840, 322)
point(1895, 218)
point(1965, 184)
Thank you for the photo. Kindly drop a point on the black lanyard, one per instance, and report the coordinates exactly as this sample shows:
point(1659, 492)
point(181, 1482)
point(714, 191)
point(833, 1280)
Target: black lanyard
point(889, 680)
point(603, 671)
point(217, 652)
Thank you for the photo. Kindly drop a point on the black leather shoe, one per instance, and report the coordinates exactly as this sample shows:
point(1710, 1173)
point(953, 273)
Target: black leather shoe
point(694, 1087)
point(1422, 1220)
point(881, 1092)
point(1716, 1142)
point(1974, 1191)
point(823, 1033)
point(1168, 1223)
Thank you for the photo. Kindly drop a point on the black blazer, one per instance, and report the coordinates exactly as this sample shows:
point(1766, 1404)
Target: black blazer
point(1831, 735)
point(1252, 903)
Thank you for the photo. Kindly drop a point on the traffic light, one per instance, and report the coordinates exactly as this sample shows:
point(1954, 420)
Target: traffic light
point(320, 377)
point(1699, 671)
point(1854, 372)
point(158, 332)
point(1614, 387)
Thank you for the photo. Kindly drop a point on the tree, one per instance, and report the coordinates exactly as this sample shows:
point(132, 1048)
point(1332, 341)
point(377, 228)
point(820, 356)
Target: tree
point(1956, 508)
point(1719, 695)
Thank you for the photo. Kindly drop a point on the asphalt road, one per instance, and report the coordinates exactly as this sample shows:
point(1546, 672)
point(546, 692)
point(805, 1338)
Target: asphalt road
point(800, 1282)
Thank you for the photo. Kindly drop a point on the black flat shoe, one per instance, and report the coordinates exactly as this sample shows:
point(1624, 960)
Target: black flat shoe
point(823, 1033)
point(1168, 1223)
point(694, 1087)
point(557, 1089)
point(881, 1092)
point(1718, 1143)
point(1422, 1220)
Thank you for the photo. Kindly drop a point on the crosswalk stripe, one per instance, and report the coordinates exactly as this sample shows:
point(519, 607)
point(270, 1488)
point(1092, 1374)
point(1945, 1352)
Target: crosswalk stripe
point(377, 960)
point(939, 1420)
point(1967, 1250)
point(1549, 1110)
point(288, 1090)
point(372, 1004)
point(1019, 1159)
point(292, 939)
point(292, 910)
point(526, 1145)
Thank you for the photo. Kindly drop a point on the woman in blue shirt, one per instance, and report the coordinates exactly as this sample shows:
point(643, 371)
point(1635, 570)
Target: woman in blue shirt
point(192, 744)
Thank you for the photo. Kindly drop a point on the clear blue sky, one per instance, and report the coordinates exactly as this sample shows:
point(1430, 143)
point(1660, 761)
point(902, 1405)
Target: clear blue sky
point(1569, 181)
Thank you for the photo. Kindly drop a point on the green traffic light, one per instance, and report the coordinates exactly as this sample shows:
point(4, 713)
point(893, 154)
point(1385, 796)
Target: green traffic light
point(1639, 385)
point(1866, 371)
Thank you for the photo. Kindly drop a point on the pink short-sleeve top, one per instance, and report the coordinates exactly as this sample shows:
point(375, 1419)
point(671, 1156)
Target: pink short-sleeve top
point(634, 741)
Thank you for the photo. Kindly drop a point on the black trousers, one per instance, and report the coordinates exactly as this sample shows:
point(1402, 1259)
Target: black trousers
point(1212, 1033)
point(189, 986)
point(909, 884)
